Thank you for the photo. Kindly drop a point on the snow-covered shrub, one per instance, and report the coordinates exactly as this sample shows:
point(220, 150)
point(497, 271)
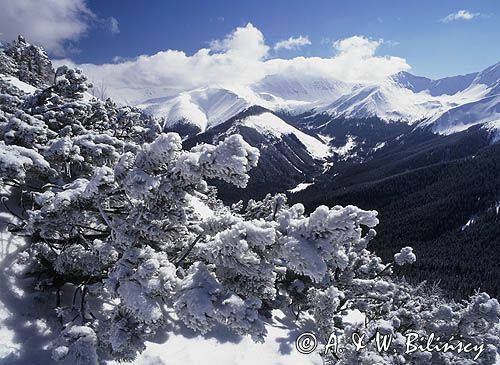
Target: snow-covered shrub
point(16, 162)
point(29, 63)
point(113, 215)
point(411, 317)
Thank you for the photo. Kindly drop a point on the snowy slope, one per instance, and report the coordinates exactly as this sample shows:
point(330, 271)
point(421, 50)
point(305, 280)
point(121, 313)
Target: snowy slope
point(207, 107)
point(388, 101)
point(302, 88)
point(270, 124)
point(479, 103)
point(490, 77)
point(221, 347)
point(464, 116)
point(446, 106)
point(288, 155)
point(27, 88)
point(447, 85)
point(203, 108)
point(30, 89)
point(494, 128)
point(298, 93)
point(391, 100)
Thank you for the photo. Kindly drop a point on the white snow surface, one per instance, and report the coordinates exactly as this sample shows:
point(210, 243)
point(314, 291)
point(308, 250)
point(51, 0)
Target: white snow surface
point(494, 128)
point(184, 347)
point(302, 88)
point(219, 347)
point(300, 187)
point(30, 89)
point(200, 207)
point(379, 145)
point(203, 108)
point(27, 88)
point(387, 101)
point(466, 115)
point(343, 151)
point(269, 124)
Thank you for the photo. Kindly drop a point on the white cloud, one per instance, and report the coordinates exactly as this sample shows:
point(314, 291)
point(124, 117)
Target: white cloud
point(358, 46)
point(232, 62)
point(391, 43)
point(459, 15)
point(51, 23)
point(243, 42)
point(355, 61)
point(292, 43)
point(113, 25)
point(236, 61)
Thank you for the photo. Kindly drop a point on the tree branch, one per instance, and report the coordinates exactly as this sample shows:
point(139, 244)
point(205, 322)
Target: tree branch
point(189, 249)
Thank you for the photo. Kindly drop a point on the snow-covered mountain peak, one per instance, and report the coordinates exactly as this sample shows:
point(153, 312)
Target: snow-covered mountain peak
point(463, 116)
point(489, 76)
point(302, 88)
point(445, 86)
point(388, 100)
point(202, 108)
point(479, 103)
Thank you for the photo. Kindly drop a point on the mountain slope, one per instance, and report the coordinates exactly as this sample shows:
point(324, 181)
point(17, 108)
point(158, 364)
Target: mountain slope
point(426, 188)
point(447, 85)
point(489, 77)
point(298, 93)
point(481, 104)
point(200, 108)
point(464, 116)
point(288, 156)
point(387, 101)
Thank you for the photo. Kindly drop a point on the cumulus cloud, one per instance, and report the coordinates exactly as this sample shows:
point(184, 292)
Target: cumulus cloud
point(459, 15)
point(358, 46)
point(234, 62)
point(52, 23)
point(355, 61)
point(292, 43)
point(243, 42)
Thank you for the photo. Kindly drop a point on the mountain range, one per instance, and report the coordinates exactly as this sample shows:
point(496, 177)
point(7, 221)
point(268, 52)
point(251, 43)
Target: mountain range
point(304, 125)
point(421, 152)
point(445, 106)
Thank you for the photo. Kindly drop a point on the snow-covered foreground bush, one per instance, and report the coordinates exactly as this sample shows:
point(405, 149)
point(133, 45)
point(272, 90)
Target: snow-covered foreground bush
point(111, 207)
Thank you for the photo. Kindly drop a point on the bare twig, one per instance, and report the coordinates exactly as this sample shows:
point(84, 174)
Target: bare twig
point(189, 249)
point(384, 270)
point(10, 210)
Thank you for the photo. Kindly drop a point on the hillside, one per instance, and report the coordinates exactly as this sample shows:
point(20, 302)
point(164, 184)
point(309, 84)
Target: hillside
point(439, 195)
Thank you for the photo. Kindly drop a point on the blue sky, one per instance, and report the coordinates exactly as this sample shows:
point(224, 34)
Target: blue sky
point(410, 29)
point(435, 38)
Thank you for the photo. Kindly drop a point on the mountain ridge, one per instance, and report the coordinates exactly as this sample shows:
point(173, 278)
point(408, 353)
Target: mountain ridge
point(435, 104)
